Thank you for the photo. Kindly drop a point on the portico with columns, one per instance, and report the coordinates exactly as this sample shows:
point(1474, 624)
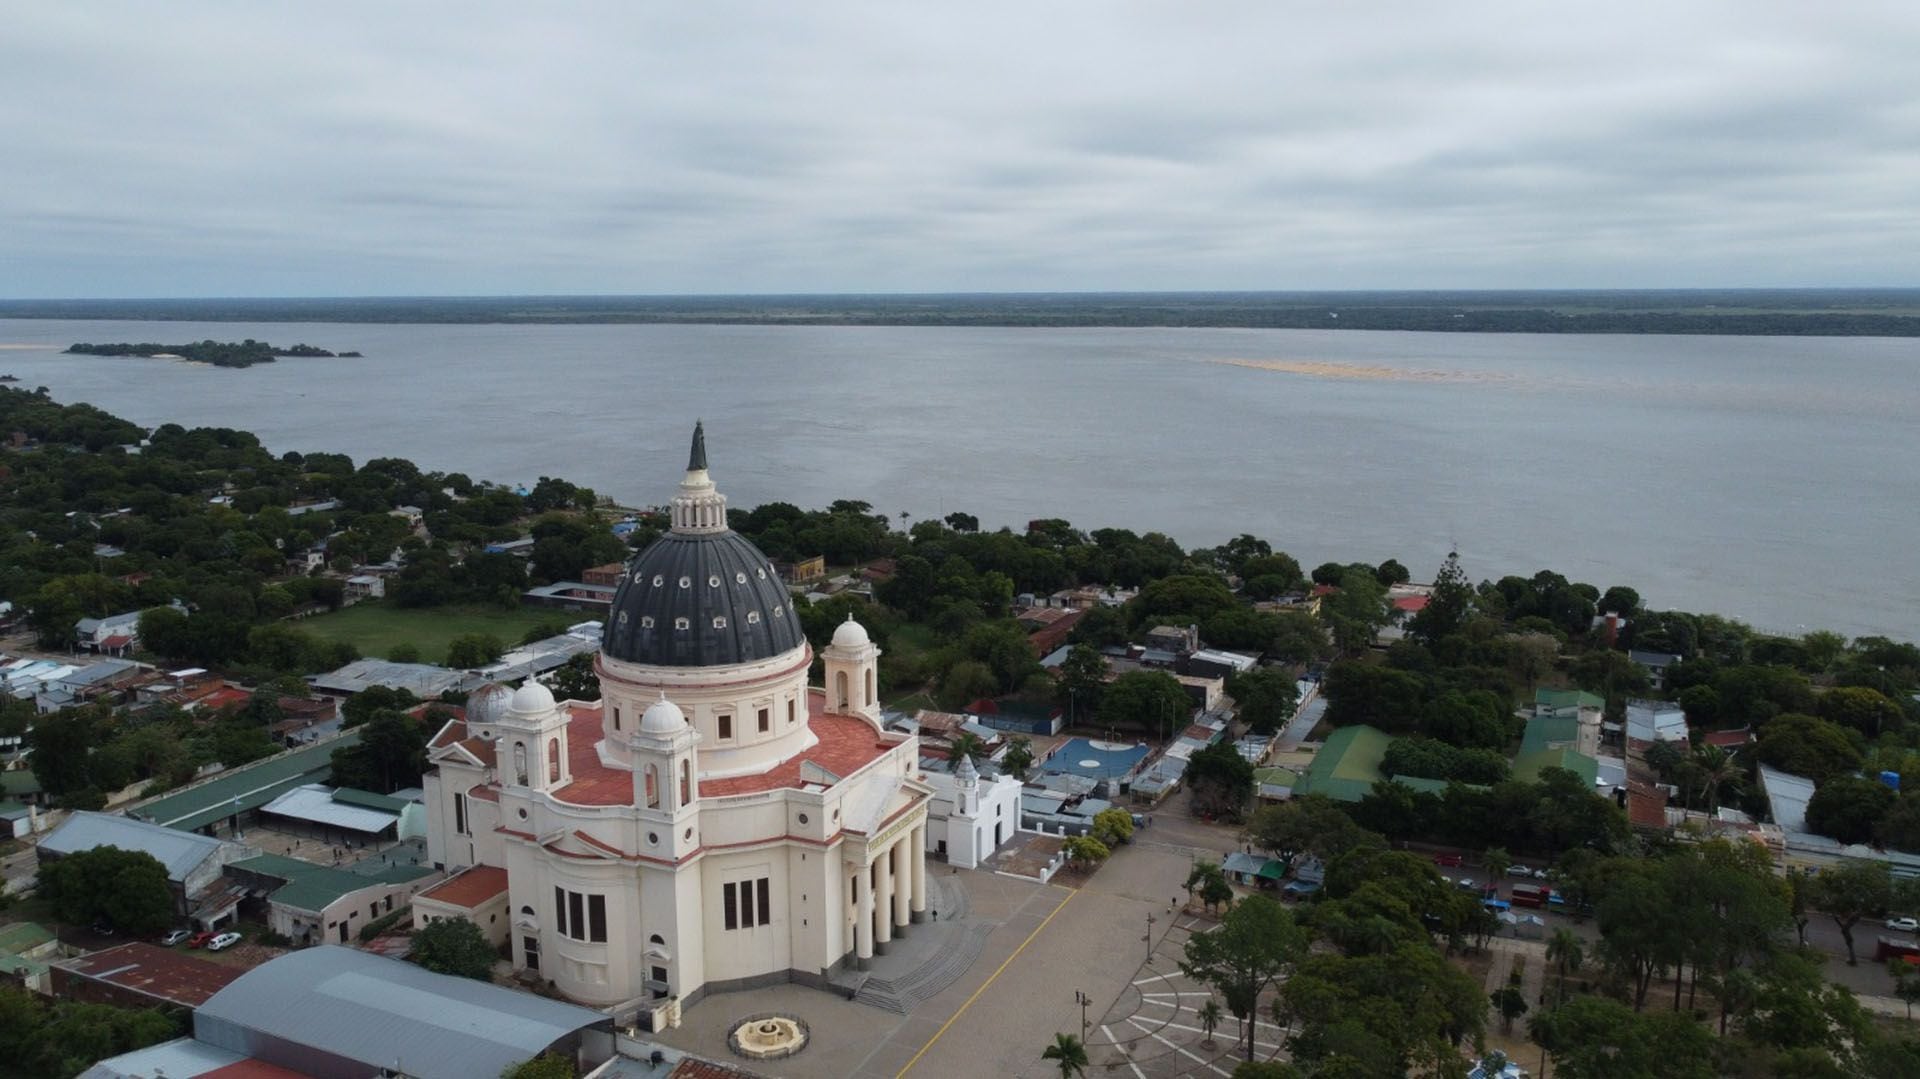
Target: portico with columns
point(888, 885)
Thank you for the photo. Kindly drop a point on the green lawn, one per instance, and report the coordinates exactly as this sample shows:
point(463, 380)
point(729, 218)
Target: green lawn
point(374, 627)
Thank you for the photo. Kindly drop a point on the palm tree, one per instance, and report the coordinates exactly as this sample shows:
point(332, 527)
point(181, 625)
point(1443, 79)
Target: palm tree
point(1068, 1055)
point(1567, 951)
point(966, 744)
point(1209, 1018)
point(1715, 766)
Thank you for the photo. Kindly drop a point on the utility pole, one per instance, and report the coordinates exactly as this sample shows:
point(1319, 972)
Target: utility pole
point(1083, 1000)
point(1149, 937)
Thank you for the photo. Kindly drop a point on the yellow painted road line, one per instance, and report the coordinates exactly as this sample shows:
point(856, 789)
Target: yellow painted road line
point(983, 985)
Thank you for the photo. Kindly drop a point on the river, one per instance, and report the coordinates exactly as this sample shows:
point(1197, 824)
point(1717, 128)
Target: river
point(1772, 479)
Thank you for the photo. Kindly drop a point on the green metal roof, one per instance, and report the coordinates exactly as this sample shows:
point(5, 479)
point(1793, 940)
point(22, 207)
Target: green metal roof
point(1348, 765)
point(1528, 766)
point(1566, 698)
point(23, 936)
point(309, 887)
point(9, 809)
point(245, 788)
point(19, 781)
point(1547, 732)
point(13, 964)
point(355, 797)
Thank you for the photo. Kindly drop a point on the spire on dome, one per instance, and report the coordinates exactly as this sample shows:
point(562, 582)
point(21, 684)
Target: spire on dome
point(697, 457)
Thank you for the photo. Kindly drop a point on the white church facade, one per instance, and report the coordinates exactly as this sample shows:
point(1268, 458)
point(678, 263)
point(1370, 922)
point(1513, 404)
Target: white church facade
point(712, 822)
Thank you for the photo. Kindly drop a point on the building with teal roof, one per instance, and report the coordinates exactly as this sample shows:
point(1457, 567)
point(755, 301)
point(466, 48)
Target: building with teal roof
point(316, 904)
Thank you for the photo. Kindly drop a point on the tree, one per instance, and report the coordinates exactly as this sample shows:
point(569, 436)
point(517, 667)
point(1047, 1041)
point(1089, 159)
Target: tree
point(1497, 861)
point(1202, 872)
point(64, 1039)
point(1085, 852)
point(1355, 612)
point(1807, 746)
point(544, 1066)
point(1849, 808)
point(392, 753)
point(576, 680)
point(1219, 781)
point(1449, 605)
point(454, 946)
point(1113, 827)
point(1906, 983)
point(471, 650)
point(1510, 1002)
point(1068, 1055)
point(1565, 950)
point(1209, 1015)
point(126, 888)
point(966, 745)
point(1266, 696)
point(1145, 701)
point(1865, 710)
point(1310, 824)
point(1253, 947)
point(1600, 1038)
point(1019, 757)
point(1851, 891)
point(1714, 767)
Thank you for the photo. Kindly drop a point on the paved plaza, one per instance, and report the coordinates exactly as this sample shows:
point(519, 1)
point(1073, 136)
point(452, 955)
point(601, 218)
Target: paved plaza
point(987, 990)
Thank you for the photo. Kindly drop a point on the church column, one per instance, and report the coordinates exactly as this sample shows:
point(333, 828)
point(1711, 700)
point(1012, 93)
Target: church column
point(863, 917)
point(902, 882)
point(883, 902)
point(917, 858)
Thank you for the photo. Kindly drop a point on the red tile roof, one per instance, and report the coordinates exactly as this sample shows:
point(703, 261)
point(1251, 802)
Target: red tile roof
point(1410, 603)
point(469, 889)
point(224, 697)
point(178, 977)
point(692, 1068)
point(1728, 739)
point(845, 746)
point(118, 640)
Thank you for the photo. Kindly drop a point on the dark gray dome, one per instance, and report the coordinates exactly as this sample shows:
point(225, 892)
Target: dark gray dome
point(701, 600)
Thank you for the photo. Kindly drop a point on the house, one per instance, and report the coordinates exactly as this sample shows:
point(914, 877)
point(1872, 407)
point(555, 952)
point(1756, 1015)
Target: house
point(114, 635)
point(1253, 870)
point(333, 1011)
point(26, 949)
point(193, 862)
point(363, 586)
point(1655, 721)
point(1655, 664)
point(802, 569)
point(607, 575)
point(477, 894)
point(316, 904)
point(1214, 663)
point(413, 515)
point(1179, 640)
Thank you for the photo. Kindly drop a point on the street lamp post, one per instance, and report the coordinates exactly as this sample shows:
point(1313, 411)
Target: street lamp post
point(1149, 937)
point(1083, 1000)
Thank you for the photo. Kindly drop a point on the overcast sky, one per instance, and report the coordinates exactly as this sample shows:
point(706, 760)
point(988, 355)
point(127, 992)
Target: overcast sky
point(214, 149)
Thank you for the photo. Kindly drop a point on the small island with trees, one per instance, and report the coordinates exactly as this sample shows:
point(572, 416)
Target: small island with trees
point(218, 353)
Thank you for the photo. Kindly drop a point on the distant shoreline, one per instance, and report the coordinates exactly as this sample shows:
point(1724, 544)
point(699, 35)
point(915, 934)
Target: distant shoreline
point(1733, 312)
point(215, 353)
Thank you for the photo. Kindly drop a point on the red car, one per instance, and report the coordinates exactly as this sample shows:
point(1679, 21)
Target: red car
point(199, 940)
point(1446, 859)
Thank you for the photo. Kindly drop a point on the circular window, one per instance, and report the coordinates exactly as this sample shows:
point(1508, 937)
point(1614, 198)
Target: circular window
point(653, 839)
point(739, 578)
point(646, 620)
point(658, 580)
point(689, 835)
point(779, 611)
point(686, 582)
point(803, 818)
point(713, 581)
point(836, 814)
point(753, 618)
point(623, 618)
point(523, 814)
point(763, 575)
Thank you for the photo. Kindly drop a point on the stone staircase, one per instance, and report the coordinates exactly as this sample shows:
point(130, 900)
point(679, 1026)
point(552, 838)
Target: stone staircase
point(926, 981)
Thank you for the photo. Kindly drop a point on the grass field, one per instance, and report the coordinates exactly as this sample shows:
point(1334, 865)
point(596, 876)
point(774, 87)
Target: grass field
point(375, 627)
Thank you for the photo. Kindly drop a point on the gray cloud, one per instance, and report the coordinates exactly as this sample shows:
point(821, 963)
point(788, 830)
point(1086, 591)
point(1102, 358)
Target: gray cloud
point(234, 148)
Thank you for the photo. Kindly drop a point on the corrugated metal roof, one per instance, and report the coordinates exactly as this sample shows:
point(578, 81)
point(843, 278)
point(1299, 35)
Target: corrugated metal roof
point(384, 1012)
point(246, 788)
point(179, 852)
point(317, 802)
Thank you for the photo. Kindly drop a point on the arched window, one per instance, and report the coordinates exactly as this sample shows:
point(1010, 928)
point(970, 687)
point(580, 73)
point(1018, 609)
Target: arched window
point(840, 691)
point(553, 760)
point(520, 763)
point(686, 782)
point(869, 687)
point(653, 787)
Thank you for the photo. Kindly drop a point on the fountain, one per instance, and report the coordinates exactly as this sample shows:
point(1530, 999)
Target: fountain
point(768, 1037)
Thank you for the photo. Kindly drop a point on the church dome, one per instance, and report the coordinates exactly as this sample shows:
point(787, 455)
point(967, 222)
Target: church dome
point(851, 634)
point(532, 699)
point(487, 704)
point(662, 717)
point(702, 595)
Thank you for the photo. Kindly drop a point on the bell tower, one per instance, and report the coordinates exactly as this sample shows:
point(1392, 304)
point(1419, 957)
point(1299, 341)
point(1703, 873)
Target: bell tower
point(666, 783)
point(853, 672)
point(533, 740)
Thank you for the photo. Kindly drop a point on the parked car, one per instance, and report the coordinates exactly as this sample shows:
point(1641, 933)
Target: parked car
point(178, 936)
point(1446, 859)
point(200, 940)
point(1467, 884)
point(223, 941)
point(1521, 871)
point(1904, 925)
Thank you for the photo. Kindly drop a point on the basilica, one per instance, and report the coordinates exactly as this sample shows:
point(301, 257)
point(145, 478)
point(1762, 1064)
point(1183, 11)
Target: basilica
point(713, 821)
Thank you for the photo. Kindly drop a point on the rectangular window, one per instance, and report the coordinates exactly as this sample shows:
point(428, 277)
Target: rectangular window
point(560, 909)
point(733, 912)
point(576, 920)
point(746, 904)
point(766, 722)
point(460, 814)
point(766, 908)
point(597, 919)
point(725, 723)
point(790, 712)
